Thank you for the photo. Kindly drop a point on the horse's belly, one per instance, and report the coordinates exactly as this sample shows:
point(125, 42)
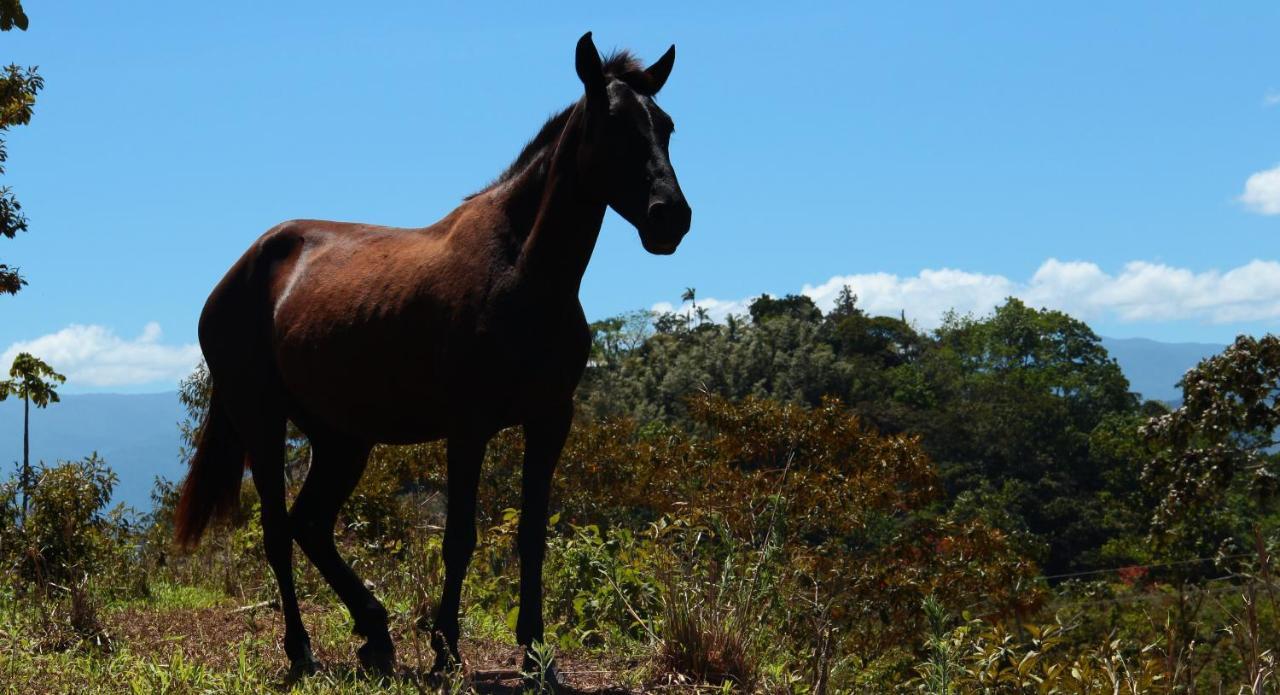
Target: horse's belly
point(375, 390)
point(406, 391)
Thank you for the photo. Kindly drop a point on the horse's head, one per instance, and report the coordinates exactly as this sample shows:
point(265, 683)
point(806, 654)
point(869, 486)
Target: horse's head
point(626, 138)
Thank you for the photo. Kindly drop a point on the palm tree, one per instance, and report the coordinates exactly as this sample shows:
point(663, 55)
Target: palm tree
point(689, 295)
point(703, 316)
point(33, 382)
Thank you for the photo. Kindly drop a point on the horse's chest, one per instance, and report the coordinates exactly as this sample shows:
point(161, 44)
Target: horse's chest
point(550, 357)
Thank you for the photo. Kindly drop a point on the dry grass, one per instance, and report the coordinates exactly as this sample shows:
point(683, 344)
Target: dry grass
point(703, 641)
point(216, 638)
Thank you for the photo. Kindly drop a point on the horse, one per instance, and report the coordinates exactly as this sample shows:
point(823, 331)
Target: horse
point(362, 334)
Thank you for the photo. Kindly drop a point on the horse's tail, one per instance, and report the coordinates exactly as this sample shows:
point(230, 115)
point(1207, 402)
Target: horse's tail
point(212, 487)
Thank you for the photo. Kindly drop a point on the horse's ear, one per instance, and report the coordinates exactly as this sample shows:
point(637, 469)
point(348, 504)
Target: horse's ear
point(658, 73)
point(590, 69)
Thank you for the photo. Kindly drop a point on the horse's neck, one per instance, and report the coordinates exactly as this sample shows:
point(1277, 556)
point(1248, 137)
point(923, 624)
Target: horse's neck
point(562, 220)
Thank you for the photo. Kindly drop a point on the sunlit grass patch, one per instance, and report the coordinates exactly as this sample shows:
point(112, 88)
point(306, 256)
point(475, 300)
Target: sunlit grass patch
point(172, 596)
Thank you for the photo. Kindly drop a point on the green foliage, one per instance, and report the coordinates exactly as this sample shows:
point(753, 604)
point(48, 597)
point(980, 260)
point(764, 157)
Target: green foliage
point(1013, 401)
point(794, 306)
point(782, 358)
point(31, 380)
point(18, 89)
point(194, 392)
point(603, 587)
point(764, 506)
point(613, 338)
point(1218, 448)
point(1006, 405)
point(11, 15)
point(978, 657)
point(68, 553)
point(69, 533)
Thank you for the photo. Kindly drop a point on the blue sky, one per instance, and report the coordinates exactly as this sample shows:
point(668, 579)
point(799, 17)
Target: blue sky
point(1120, 161)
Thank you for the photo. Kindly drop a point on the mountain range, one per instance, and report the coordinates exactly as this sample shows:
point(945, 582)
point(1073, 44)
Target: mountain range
point(137, 434)
point(1153, 368)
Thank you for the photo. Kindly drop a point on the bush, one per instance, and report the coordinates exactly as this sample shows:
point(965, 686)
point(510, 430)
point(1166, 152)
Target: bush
point(66, 532)
point(66, 554)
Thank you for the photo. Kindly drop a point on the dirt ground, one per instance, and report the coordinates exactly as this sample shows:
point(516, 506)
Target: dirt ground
point(211, 637)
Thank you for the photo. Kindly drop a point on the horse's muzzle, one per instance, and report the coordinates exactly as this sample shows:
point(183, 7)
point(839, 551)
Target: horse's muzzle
point(666, 224)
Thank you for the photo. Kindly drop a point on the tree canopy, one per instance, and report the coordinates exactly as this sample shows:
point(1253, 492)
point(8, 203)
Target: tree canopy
point(18, 89)
point(31, 379)
point(1015, 408)
point(1213, 461)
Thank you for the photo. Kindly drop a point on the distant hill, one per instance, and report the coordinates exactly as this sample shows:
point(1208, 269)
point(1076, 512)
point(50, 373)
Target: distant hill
point(1153, 368)
point(137, 435)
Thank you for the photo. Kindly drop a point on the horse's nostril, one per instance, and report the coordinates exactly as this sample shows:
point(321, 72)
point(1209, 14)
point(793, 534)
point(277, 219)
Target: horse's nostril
point(658, 212)
point(685, 217)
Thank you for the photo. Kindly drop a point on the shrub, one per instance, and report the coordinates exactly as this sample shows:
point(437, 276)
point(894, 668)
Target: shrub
point(65, 533)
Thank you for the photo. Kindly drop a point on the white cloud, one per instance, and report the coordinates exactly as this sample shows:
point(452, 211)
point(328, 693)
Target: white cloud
point(94, 356)
point(925, 297)
point(1262, 192)
point(1271, 98)
point(1141, 292)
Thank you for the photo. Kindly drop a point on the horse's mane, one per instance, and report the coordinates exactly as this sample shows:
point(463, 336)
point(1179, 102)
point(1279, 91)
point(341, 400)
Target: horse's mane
point(619, 64)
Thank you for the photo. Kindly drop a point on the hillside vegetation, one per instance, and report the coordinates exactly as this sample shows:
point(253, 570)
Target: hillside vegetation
point(786, 502)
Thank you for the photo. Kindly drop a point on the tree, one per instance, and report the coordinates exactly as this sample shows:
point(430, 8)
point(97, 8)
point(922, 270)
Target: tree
point(32, 381)
point(1007, 406)
point(18, 88)
point(1030, 421)
point(613, 338)
point(853, 333)
point(796, 306)
point(690, 296)
point(1218, 449)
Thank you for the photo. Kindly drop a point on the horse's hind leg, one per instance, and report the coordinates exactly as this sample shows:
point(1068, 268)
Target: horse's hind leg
point(336, 467)
point(266, 460)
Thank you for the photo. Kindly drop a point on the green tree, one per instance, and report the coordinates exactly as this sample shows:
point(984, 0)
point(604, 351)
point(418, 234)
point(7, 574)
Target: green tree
point(1011, 406)
point(1217, 452)
point(194, 392)
point(615, 337)
point(1012, 401)
point(854, 334)
point(797, 306)
point(32, 381)
point(690, 295)
point(18, 88)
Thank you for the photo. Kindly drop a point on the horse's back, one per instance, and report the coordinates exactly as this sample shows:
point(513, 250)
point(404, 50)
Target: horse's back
point(353, 322)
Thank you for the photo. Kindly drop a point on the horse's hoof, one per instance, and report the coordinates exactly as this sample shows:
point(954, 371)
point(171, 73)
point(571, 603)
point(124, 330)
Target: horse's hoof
point(377, 660)
point(447, 655)
point(302, 667)
point(445, 661)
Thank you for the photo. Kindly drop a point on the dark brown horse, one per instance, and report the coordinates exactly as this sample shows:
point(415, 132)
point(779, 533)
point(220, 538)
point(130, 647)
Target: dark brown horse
point(362, 334)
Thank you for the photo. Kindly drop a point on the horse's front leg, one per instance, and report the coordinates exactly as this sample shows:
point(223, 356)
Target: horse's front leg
point(466, 454)
point(544, 438)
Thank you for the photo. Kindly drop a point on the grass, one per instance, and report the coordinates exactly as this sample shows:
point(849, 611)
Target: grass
point(186, 639)
point(170, 596)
